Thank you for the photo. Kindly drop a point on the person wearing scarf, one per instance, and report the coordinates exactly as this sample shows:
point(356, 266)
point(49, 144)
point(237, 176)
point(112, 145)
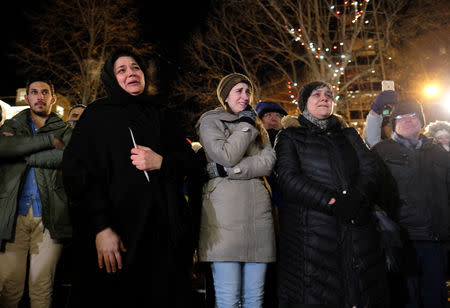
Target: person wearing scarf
point(329, 248)
point(123, 171)
point(416, 192)
point(237, 231)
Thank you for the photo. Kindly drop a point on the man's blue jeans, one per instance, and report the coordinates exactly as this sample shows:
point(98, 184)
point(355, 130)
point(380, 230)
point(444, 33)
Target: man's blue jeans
point(427, 286)
point(239, 284)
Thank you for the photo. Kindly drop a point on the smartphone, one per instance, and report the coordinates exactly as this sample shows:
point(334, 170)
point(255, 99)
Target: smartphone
point(387, 85)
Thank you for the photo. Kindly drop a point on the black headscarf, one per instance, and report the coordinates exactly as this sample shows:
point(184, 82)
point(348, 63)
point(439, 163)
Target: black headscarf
point(138, 110)
point(112, 88)
point(146, 116)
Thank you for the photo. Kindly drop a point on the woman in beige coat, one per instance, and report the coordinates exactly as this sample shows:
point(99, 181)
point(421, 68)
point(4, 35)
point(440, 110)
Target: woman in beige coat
point(236, 234)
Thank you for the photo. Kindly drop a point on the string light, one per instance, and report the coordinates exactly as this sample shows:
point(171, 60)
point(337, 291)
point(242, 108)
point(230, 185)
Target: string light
point(292, 85)
point(337, 68)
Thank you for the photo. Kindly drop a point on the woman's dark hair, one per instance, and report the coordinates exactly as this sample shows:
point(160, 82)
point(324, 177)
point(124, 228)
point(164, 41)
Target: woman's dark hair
point(307, 89)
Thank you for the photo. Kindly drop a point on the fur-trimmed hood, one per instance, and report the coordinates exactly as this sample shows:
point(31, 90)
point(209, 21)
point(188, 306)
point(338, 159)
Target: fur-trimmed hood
point(434, 127)
point(292, 121)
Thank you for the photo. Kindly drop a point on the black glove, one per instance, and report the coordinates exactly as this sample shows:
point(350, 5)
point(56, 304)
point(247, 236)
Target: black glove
point(384, 98)
point(349, 206)
point(248, 115)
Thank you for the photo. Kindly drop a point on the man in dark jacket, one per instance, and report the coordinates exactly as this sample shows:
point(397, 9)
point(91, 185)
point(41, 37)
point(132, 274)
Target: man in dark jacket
point(271, 114)
point(34, 213)
point(420, 179)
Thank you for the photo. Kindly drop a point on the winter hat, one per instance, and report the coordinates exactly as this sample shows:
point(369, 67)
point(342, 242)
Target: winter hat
point(228, 82)
point(264, 107)
point(407, 106)
point(306, 91)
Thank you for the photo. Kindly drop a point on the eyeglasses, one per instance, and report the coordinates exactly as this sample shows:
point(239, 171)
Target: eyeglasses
point(406, 116)
point(272, 114)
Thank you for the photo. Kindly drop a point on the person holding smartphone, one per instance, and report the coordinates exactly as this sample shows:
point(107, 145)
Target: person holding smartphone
point(378, 125)
point(415, 191)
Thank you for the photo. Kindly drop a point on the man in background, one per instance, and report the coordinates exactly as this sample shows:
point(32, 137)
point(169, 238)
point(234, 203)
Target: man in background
point(75, 113)
point(417, 186)
point(34, 213)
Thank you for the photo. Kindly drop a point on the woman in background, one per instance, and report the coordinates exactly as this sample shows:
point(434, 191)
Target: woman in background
point(237, 232)
point(440, 131)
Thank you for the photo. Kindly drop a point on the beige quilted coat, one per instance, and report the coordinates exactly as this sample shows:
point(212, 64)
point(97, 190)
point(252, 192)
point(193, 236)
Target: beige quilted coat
point(236, 221)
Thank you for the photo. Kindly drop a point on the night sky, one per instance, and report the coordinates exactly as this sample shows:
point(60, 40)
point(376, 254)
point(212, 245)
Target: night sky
point(12, 26)
point(166, 26)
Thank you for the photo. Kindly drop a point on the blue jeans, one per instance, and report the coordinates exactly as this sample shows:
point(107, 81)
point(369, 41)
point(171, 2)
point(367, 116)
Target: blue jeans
point(239, 284)
point(426, 285)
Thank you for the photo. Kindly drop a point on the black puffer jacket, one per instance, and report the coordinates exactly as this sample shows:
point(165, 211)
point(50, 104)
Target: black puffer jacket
point(321, 260)
point(420, 189)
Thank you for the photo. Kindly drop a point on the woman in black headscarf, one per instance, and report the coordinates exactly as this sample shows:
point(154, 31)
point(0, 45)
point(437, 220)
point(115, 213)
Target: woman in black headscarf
point(123, 172)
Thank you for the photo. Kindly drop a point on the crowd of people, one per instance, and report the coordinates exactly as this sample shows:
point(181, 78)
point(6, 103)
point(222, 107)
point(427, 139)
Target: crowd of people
point(282, 211)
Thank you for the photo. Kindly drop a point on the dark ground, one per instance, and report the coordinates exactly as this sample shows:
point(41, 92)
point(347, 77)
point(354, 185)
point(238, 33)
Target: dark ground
point(202, 286)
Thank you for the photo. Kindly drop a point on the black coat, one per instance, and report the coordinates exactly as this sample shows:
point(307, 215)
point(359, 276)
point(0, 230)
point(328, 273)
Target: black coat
point(106, 190)
point(321, 260)
point(418, 184)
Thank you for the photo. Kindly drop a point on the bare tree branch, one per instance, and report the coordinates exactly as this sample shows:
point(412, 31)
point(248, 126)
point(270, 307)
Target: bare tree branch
point(73, 39)
point(296, 41)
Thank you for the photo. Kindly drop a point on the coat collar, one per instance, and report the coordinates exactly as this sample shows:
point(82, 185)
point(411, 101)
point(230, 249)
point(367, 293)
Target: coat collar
point(219, 113)
point(24, 116)
point(300, 121)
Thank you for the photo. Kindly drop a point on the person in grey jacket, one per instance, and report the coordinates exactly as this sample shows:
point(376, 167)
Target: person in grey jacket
point(34, 212)
point(236, 232)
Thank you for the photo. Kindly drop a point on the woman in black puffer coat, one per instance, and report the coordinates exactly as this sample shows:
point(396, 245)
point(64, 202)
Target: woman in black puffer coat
point(330, 253)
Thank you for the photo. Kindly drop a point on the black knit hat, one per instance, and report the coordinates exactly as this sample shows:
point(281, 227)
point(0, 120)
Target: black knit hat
point(407, 106)
point(306, 90)
point(264, 107)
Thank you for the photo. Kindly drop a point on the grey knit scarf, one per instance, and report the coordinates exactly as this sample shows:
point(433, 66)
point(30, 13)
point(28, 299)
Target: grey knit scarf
point(413, 144)
point(322, 124)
